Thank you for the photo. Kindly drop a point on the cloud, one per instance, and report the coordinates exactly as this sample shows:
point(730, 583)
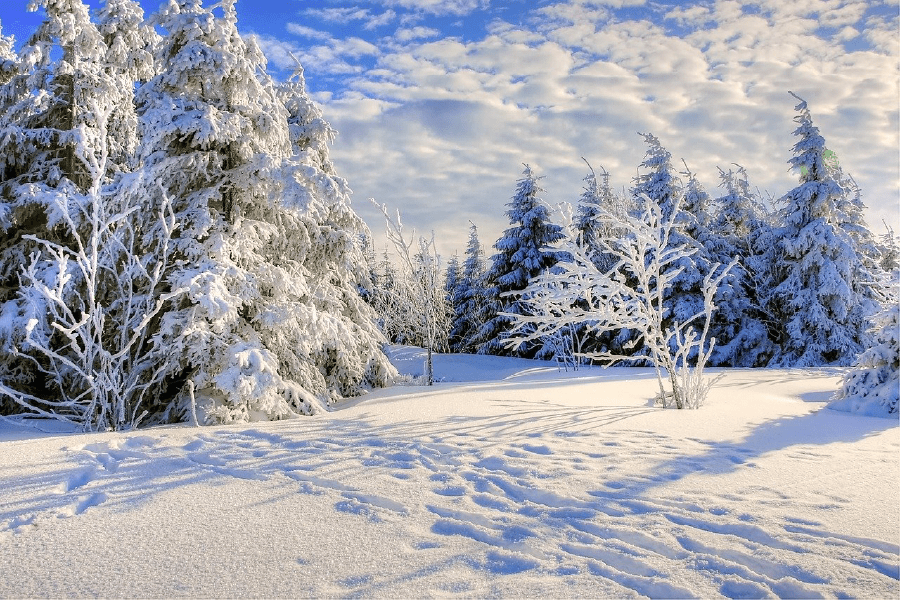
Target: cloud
point(438, 7)
point(308, 32)
point(439, 128)
point(408, 34)
point(343, 15)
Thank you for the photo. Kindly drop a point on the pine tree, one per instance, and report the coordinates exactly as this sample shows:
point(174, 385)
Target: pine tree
point(819, 295)
point(685, 205)
point(468, 297)
point(452, 282)
point(871, 386)
point(693, 230)
point(130, 42)
point(521, 255)
point(596, 197)
point(273, 322)
point(739, 227)
point(659, 181)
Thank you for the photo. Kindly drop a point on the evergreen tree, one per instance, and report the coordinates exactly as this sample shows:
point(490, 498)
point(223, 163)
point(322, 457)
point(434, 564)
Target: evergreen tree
point(871, 386)
point(597, 196)
point(819, 292)
point(272, 322)
point(452, 281)
point(686, 206)
point(659, 181)
point(522, 254)
point(130, 46)
point(468, 297)
point(740, 225)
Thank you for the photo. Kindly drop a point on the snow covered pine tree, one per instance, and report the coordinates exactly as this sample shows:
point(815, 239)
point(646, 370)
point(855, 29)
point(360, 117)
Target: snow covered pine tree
point(273, 323)
point(819, 294)
point(468, 297)
point(521, 256)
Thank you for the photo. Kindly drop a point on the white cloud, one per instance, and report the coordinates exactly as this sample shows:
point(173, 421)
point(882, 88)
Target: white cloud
point(439, 128)
point(308, 32)
point(408, 34)
point(438, 7)
point(351, 14)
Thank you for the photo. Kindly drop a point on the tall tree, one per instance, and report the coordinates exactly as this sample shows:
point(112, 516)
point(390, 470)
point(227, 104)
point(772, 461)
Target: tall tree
point(740, 229)
point(468, 297)
point(819, 294)
point(273, 322)
point(522, 253)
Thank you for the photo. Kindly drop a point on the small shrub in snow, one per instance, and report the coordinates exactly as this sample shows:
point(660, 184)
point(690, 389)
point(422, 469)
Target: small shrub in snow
point(417, 299)
point(630, 295)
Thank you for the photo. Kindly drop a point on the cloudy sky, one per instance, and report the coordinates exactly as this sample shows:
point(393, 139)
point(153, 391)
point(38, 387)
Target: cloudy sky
point(438, 103)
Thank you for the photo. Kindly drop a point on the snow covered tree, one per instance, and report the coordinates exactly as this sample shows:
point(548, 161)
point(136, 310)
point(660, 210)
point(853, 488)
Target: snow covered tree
point(596, 195)
point(819, 293)
point(659, 181)
point(522, 254)
point(335, 260)
point(633, 294)
point(272, 323)
point(468, 297)
point(91, 304)
point(872, 386)
point(50, 141)
point(419, 300)
point(130, 46)
point(740, 229)
point(452, 278)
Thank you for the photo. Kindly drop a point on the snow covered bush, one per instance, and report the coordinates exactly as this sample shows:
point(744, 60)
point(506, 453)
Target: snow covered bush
point(872, 386)
point(633, 294)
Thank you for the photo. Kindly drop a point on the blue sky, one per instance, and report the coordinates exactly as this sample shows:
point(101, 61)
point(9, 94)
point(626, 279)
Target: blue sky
point(439, 102)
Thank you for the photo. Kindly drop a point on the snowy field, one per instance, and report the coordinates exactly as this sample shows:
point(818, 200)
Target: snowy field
point(510, 478)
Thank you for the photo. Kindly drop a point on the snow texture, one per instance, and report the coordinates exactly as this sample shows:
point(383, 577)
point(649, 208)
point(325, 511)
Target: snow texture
point(536, 483)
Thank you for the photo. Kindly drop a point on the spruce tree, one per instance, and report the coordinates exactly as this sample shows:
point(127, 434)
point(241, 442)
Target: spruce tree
point(272, 322)
point(740, 225)
point(819, 293)
point(468, 297)
point(522, 254)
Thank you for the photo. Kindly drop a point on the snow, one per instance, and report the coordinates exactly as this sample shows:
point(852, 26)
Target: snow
point(508, 478)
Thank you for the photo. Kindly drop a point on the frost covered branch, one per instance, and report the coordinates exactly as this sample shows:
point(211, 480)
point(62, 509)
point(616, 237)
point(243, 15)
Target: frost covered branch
point(416, 298)
point(631, 295)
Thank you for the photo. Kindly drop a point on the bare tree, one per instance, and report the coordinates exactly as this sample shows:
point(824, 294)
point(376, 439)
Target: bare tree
point(416, 299)
point(631, 294)
point(92, 304)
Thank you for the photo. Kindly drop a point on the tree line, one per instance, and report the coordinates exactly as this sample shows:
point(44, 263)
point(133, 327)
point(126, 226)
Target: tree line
point(668, 275)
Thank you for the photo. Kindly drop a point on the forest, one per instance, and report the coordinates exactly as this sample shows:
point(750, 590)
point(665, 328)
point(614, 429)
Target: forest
point(176, 245)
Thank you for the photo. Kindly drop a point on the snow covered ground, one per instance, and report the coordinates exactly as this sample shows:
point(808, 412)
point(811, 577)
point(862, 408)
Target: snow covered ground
point(510, 478)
